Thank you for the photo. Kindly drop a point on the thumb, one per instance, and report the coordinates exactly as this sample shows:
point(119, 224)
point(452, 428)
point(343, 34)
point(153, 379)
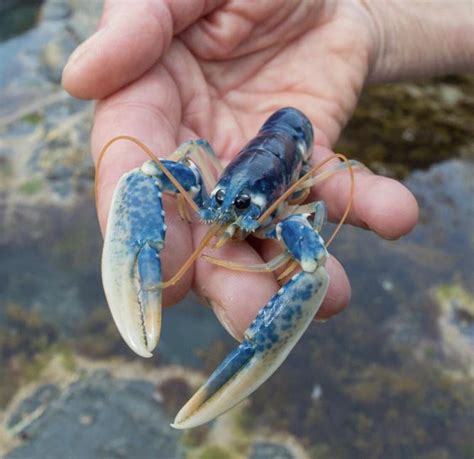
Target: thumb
point(131, 38)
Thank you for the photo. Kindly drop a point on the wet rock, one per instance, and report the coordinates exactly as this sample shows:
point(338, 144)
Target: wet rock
point(456, 326)
point(400, 127)
point(43, 396)
point(56, 10)
point(446, 216)
point(56, 54)
point(99, 416)
point(264, 450)
point(85, 18)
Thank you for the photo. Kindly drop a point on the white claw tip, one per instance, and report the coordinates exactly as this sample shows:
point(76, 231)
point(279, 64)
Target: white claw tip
point(141, 350)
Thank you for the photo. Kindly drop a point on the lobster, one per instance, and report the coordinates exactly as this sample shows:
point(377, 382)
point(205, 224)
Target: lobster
point(261, 193)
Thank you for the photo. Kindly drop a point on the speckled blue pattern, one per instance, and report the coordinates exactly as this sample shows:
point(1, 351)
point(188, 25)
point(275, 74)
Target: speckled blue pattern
point(269, 332)
point(188, 178)
point(300, 239)
point(139, 213)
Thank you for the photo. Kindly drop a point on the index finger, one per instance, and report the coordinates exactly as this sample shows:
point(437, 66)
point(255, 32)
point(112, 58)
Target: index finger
point(380, 204)
point(154, 121)
point(131, 39)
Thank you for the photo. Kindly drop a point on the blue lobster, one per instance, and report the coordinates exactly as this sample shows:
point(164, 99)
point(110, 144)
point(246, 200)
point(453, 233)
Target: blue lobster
point(260, 193)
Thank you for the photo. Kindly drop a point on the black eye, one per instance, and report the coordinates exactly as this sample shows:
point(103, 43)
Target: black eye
point(220, 196)
point(242, 201)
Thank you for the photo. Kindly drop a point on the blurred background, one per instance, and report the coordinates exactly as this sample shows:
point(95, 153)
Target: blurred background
point(391, 377)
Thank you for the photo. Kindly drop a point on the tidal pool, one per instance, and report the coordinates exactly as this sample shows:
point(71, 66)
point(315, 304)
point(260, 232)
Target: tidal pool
point(390, 377)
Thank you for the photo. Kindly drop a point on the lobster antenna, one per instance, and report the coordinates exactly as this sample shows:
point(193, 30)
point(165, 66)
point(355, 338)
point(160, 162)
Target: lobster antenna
point(153, 157)
point(192, 258)
point(267, 267)
point(295, 185)
point(349, 202)
point(278, 260)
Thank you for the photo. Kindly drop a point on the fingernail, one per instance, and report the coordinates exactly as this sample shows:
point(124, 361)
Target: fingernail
point(221, 315)
point(321, 320)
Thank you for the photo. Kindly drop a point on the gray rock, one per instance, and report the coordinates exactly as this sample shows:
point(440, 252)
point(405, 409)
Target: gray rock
point(85, 18)
point(56, 53)
point(264, 450)
point(55, 10)
point(42, 397)
point(98, 417)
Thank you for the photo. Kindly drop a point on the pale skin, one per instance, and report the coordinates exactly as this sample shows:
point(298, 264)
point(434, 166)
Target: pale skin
point(170, 71)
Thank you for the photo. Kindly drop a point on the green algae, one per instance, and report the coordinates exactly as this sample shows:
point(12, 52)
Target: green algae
point(31, 187)
point(214, 452)
point(98, 337)
point(400, 127)
point(194, 438)
point(27, 344)
point(464, 300)
point(24, 332)
point(33, 118)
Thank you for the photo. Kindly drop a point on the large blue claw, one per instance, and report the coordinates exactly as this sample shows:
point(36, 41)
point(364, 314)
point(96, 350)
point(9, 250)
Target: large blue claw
point(131, 266)
point(268, 340)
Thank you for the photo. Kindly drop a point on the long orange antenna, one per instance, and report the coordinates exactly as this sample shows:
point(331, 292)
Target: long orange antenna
point(295, 185)
point(153, 157)
point(349, 202)
point(193, 257)
point(267, 267)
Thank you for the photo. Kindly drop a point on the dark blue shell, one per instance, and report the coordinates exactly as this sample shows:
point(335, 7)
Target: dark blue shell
point(266, 166)
point(272, 160)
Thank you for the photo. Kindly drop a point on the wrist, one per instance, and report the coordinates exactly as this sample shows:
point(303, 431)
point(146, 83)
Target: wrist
point(418, 38)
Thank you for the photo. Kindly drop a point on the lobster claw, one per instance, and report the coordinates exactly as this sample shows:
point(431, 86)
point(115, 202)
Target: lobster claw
point(269, 339)
point(131, 268)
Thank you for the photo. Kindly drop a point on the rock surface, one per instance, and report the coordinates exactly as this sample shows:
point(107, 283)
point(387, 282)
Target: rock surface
point(270, 451)
point(99, 416)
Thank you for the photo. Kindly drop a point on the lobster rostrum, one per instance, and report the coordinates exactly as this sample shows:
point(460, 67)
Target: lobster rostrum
point(260, 193)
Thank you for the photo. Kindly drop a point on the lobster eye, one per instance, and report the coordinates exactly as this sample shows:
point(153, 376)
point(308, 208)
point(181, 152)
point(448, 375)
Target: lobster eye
point(220, 196)
point(242, 201)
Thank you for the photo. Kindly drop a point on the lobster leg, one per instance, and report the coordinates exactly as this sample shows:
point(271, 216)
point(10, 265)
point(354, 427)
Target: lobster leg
point(274, 332)
point(194, 150)
point(135, 235)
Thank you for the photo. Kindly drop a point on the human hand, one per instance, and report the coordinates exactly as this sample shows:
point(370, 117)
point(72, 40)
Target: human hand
point(166, 72)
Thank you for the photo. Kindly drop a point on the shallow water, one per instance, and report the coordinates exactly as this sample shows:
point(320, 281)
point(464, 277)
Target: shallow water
point(390, 377)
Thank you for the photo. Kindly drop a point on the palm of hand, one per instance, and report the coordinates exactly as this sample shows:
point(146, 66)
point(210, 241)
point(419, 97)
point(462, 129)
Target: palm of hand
point(219, 80)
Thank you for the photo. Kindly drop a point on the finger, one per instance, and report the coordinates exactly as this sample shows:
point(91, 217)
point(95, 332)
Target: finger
point(379, 203)
point(131, 39)
point(236, 297)
point(154, 121)
point(339, 290)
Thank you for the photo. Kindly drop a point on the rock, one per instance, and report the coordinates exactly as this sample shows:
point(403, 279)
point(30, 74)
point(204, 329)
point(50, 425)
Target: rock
point(37, 402)
point(56, 10)
point(83, 22)
point(98, 416)
point(56, 54)
point(456, 326)
point(263, 450)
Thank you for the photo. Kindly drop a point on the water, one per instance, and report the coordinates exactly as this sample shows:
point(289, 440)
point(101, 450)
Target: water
point(390, 377)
